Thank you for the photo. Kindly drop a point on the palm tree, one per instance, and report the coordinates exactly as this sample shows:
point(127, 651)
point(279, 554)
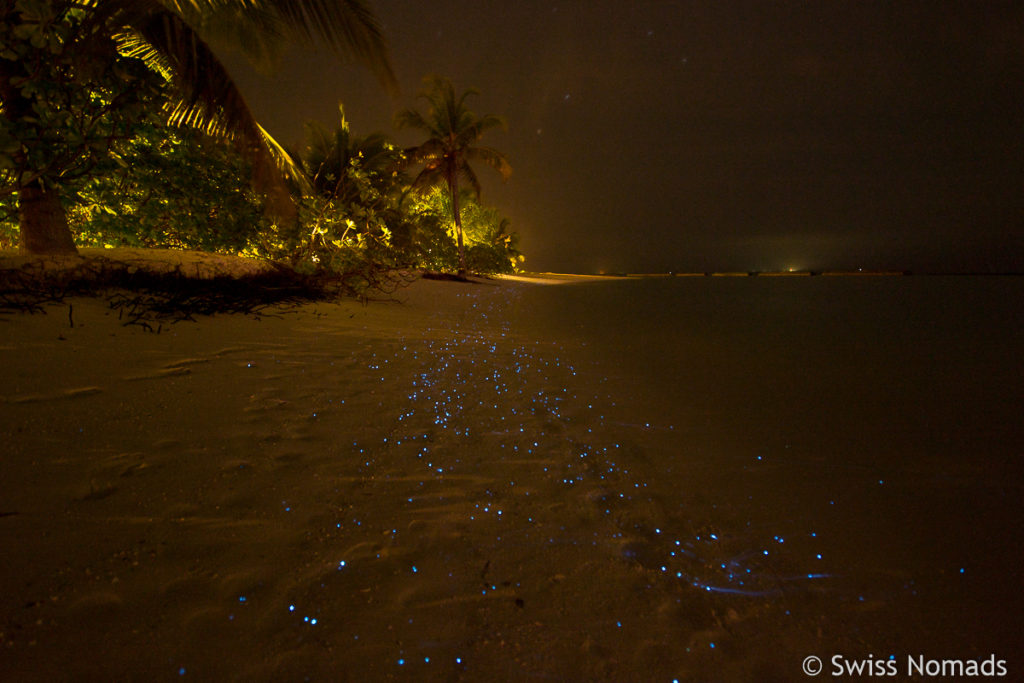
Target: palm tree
point(453, 132)
point(166, 35)
point(329, 154)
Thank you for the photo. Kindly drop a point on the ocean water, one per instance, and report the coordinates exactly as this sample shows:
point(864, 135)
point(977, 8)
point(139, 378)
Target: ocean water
point(851, 444)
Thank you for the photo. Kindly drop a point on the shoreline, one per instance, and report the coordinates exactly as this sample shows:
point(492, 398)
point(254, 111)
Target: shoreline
point(447, 484)
point(191, 263)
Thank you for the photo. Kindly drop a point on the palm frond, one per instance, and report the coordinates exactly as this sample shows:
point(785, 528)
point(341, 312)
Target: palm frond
point(131, 44)
point(283, 161)
point(492, 158)
point(429, 177)
point(207, 98)
point(425, 153)
point(480, 125)
point(409, 118)
point(257, 31)
point(348, 26)
point(412, 118)
point(466, 171)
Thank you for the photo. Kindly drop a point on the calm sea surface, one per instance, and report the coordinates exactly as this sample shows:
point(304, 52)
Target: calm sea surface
point(862, 436)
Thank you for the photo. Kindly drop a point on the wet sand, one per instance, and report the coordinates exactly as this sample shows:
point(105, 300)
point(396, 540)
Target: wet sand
point(348, 492)
point(390, 491)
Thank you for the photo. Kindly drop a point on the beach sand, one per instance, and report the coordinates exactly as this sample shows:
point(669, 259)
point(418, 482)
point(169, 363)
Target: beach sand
point(349, 491)
point(409, 488)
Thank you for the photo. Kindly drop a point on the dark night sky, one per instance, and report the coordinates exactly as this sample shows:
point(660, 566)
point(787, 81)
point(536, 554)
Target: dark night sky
point(716, 134)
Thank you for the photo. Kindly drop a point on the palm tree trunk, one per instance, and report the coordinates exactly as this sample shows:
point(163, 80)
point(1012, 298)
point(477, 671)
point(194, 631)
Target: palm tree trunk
point(44, 224)
point(453, 188)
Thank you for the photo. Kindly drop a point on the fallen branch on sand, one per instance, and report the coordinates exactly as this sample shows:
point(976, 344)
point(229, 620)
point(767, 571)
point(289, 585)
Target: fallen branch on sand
point(448, 277)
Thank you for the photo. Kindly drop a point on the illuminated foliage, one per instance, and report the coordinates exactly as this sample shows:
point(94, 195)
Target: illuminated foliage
point(329, 157)
point(119, 126)
point(176, 187)
point(490, 246)
point(362, 204)
point(59, 56)
point(67, 96)
point(169, 187)
point(348, 202)
point(453, 133)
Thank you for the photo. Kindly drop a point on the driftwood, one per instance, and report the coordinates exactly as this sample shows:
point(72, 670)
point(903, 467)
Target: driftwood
point(150, 298)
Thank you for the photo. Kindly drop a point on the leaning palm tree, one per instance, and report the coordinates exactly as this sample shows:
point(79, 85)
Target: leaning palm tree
point(168, 37)
point(453, 132)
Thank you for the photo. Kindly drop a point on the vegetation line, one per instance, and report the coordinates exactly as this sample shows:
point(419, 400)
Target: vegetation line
point(150, 299)
point(119, 126)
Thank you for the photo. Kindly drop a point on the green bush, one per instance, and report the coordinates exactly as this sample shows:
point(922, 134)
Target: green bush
point(173, 188)
point(178, 188)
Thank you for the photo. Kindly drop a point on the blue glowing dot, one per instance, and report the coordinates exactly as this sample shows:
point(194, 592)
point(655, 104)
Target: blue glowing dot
point(401, 662)
point(712, 645)
point(241, 598)
point(291, 608)
point(414, 570)
point(458, 660)
point(962, 570)
point(181, 671)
